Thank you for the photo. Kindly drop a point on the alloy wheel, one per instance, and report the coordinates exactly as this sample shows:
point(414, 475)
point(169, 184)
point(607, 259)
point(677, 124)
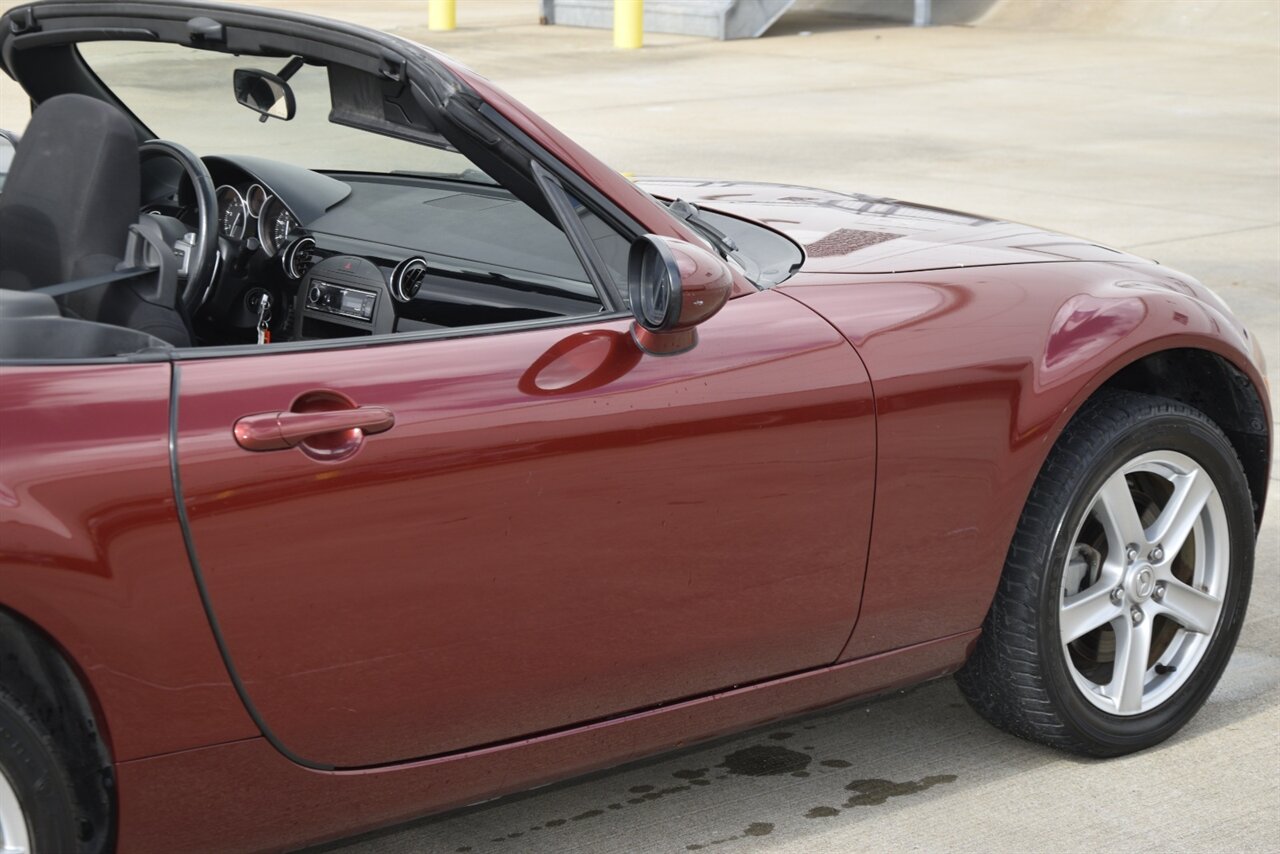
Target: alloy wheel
point(1144, 583)
point(14, 836)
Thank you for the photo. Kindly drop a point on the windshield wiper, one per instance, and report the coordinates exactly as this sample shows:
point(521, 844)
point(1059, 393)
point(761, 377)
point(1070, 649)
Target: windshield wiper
point(689, 212)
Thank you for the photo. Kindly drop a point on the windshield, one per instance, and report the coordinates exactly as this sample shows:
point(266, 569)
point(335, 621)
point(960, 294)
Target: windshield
point(186, 96)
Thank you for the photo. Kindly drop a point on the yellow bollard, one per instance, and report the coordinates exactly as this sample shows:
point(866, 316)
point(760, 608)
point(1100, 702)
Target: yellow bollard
point(628, 23)
point(442, 14)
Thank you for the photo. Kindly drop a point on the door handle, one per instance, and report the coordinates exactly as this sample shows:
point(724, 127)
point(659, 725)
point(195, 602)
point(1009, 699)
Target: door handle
point(275, 431)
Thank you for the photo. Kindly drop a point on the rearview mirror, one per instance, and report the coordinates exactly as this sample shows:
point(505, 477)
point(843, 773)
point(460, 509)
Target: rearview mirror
point(674, 286)
point(265, 93)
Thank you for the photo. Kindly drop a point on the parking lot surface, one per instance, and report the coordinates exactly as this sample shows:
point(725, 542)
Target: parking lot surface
point(1168, 147)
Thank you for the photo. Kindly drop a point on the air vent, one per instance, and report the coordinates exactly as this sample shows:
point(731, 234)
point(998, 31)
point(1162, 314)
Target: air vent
point(406, 278)
point(297, 257)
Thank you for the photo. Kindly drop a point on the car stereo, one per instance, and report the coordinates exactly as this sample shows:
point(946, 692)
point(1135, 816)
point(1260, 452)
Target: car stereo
point(342, 296)
point(336, 299)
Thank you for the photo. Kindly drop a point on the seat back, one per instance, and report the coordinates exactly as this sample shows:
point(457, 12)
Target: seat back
point(71, 194)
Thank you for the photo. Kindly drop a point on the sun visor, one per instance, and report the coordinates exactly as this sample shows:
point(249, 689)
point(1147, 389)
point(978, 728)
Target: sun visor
point(368, 102)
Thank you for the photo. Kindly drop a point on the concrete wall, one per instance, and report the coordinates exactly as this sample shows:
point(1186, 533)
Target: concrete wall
point(944, 11)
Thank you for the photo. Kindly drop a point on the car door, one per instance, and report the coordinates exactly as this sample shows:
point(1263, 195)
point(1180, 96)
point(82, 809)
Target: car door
point(556, 529)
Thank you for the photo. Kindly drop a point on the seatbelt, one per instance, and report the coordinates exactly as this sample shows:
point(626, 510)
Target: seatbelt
point(134, 251)
point(72, 287)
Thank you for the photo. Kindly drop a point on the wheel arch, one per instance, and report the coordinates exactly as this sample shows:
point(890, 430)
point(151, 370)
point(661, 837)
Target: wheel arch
point(1210, 383)
point(38, 671)
point(1197, 373)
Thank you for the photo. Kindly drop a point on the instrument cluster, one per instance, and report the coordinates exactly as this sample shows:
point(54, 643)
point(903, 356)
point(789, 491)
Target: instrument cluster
point(239, 210)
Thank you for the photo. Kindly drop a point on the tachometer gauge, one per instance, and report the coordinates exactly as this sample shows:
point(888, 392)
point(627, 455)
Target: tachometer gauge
point(233, 212)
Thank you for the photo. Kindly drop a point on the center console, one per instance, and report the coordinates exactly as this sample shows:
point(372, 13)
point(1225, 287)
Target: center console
point(343, 296)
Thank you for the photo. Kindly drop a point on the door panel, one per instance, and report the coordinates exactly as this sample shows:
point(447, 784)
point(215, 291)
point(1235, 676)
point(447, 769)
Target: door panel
point(556, 529)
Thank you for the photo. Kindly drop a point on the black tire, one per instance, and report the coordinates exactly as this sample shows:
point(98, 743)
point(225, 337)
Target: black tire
point(1018, 677)
point(33, 765)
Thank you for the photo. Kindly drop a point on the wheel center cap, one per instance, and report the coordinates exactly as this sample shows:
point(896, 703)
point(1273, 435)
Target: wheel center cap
point(1140, 583)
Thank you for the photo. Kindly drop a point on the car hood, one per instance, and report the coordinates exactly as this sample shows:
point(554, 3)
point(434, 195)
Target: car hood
point(850, 233)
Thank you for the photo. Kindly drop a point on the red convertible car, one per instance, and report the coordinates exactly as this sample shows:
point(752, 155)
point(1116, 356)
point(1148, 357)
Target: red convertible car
point(369, 449)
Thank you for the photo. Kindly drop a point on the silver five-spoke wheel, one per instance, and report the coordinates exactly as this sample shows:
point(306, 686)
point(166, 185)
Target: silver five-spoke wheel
point(1143, 587)
point(1126, 582)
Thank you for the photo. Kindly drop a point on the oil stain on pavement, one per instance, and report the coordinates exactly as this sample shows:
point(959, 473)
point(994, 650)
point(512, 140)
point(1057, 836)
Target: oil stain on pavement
point(870, 793)
point(756, 828)
point(765, 761)
point(760, 760)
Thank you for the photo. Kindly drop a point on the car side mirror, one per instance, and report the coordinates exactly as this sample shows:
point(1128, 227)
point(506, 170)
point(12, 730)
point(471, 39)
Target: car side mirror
point(8, 148)
point(674, 286)
point(265, 93)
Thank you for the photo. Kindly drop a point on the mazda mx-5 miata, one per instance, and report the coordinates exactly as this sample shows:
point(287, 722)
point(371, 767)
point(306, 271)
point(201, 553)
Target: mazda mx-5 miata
point(369, 449)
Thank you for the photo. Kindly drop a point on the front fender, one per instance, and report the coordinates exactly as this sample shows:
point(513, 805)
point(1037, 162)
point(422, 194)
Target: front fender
point(976, 372)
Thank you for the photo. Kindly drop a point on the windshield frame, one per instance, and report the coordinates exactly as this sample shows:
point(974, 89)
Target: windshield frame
point(210, 120)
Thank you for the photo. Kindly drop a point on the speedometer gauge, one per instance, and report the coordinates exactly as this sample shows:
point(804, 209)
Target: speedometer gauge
point(275, 224)
point(282, 227)
point(233, 213)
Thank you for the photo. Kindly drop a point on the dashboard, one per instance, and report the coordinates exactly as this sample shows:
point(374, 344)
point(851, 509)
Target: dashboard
point(350, 254)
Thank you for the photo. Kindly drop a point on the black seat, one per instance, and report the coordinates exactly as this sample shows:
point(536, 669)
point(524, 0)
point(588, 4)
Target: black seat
point(72, 192)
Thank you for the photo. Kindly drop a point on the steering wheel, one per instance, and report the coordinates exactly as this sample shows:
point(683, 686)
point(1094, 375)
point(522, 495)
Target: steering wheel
point(202, 254)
